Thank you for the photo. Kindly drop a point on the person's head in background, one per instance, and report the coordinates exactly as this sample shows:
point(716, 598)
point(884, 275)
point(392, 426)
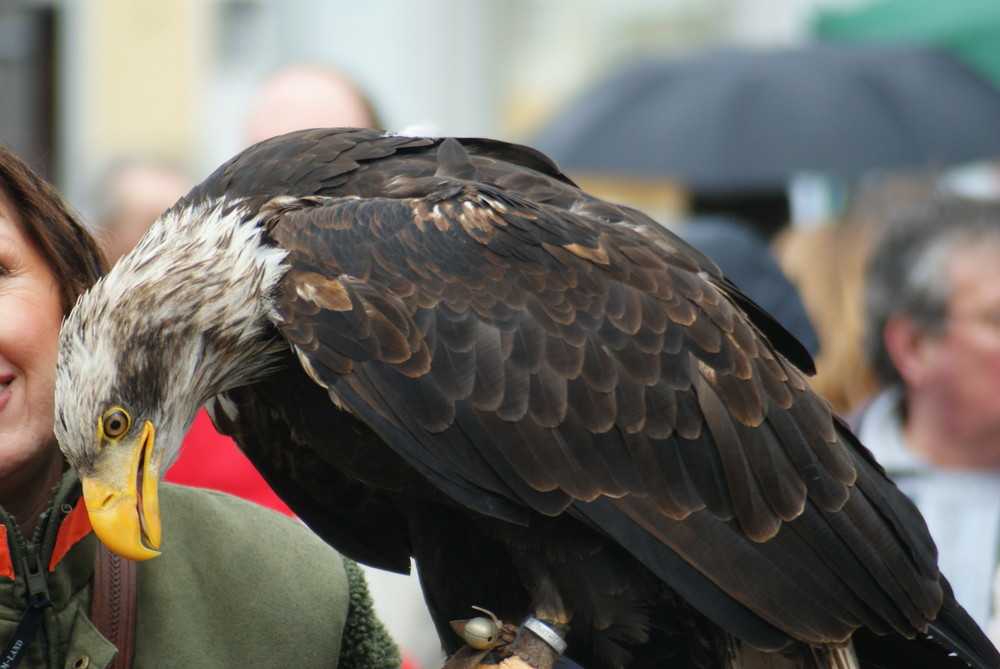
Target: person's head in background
point(304, 96)
point(130, 195)
point(933, 309)
point(827, 262)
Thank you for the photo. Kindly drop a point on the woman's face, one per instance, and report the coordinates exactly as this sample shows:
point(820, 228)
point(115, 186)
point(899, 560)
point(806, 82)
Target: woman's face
point(30, 315)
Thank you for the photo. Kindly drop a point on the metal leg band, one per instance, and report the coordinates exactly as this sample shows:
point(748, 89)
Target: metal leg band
point(545, 633)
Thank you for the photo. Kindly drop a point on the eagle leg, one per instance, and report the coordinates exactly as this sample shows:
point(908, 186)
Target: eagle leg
point(539, 643)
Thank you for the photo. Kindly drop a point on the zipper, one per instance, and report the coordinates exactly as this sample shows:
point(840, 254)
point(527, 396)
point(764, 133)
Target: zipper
point(39, 598)
point(35, 574)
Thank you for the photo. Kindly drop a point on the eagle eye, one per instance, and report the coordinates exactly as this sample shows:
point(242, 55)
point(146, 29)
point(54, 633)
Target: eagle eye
point(115, 423)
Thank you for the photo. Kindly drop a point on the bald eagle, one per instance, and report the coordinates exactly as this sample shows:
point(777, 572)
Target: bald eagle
point(442, 348)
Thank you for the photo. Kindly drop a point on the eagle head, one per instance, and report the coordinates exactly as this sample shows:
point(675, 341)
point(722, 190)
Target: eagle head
point(135, 366)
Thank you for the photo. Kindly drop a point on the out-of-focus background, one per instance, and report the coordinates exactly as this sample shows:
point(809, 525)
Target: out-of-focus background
point(86, 80)
point(775, 115)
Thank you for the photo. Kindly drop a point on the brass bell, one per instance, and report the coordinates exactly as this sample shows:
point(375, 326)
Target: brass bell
point(480, 633)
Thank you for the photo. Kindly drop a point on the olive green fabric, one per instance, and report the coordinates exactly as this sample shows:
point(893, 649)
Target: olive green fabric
point(236, 585)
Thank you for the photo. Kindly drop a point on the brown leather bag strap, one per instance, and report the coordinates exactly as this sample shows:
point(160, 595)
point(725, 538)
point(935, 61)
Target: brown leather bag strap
point(112, 603)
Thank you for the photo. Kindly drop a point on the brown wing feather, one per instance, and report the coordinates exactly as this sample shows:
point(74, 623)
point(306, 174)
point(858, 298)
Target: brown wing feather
point(542, 358)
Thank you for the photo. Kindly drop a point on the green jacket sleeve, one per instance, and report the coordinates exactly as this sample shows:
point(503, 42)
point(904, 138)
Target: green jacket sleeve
point(241, 585)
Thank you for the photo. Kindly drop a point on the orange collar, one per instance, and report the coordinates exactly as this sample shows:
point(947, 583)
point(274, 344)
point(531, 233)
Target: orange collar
point(75, 526)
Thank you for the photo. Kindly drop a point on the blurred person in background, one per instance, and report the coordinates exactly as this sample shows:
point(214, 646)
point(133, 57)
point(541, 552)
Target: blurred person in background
point(827, 263)
point(129, 196)
point(301, 96)
point(932, 302)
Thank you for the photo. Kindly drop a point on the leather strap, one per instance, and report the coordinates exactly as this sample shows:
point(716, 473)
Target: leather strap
point(112, 603)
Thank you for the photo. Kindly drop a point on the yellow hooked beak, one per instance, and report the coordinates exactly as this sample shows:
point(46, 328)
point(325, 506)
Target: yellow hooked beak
point(126, 515)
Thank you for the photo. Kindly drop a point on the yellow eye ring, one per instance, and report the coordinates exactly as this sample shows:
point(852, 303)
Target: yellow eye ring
point(115, 423)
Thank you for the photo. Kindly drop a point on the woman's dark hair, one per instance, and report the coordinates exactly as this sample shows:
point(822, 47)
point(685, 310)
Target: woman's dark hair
point(70, 251)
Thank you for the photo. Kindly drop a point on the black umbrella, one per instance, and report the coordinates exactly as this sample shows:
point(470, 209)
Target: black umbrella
point(745, 120)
